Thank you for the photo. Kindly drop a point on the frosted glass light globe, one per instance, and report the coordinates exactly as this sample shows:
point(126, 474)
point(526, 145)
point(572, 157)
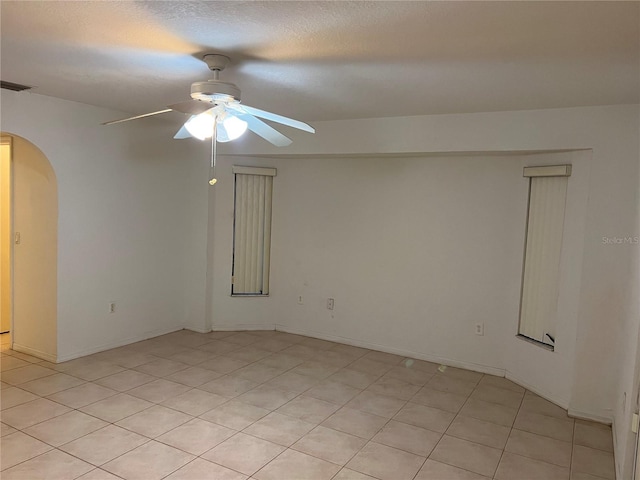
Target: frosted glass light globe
point(230, 129)
point(200, 126)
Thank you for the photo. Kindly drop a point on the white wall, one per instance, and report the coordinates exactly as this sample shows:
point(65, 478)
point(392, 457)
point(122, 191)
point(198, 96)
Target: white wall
point(128, 230)
point(627, 378)
point(598, 371)
point(35, 217)
point(415, 252)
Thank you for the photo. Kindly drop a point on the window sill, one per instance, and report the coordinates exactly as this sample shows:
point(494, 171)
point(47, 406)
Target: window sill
point(540, 344)
point(250, 295)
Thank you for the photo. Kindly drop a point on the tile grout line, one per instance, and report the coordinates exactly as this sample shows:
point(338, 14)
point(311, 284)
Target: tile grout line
point(504, 449)
point(573, 446)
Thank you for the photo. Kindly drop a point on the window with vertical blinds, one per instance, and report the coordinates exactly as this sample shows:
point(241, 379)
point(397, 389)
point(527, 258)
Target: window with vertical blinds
point(252, 230)
point(545, 225)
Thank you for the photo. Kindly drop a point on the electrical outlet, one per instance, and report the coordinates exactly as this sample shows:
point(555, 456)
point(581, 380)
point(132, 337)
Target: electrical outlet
point(112, 307)
point(330, 303)
point(300, 300)
point(480, 329)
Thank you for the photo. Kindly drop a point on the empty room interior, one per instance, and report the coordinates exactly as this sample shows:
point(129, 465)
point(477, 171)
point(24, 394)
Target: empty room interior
point(320, 240)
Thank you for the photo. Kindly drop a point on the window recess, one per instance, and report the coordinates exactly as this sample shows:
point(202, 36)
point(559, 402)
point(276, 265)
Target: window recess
point(541, 269)
point(252, 230)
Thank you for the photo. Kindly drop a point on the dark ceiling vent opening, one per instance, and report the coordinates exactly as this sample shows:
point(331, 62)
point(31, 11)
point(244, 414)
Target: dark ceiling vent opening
point(16, 87)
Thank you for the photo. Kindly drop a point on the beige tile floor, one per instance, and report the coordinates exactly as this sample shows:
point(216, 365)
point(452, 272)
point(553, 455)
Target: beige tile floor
point(276, 406)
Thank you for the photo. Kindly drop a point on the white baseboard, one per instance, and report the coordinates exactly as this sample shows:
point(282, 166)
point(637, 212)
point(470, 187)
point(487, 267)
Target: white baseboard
point(119, 343)
point(242, 326)
point(33, 352)
point(197, 330)
point(561, 402)
point(593, 417)
point(396, 351)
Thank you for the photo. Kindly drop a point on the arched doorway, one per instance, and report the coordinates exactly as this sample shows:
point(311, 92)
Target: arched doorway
point(29, 232)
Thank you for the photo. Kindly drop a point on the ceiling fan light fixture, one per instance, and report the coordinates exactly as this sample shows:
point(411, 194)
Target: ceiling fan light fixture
point(230, 129)
point(200, 126)
point(215, 107)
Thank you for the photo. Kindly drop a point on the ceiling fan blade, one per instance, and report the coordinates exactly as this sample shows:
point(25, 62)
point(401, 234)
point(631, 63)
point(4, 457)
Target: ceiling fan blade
point(191, 107)
point(267, 132)
point(182, 133)
point(290, 122)
point(138, 116)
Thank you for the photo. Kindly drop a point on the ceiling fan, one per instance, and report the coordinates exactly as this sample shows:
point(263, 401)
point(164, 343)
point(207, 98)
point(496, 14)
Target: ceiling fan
point(216, 112)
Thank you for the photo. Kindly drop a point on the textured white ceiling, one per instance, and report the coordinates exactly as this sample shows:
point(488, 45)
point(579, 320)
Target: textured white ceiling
point(329, 60)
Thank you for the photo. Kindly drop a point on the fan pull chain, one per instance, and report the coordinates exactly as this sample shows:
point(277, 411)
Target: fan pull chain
point(214, 152)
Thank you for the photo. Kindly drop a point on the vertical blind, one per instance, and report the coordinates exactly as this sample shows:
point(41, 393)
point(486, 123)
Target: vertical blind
point(547, 196)
point(252, 230)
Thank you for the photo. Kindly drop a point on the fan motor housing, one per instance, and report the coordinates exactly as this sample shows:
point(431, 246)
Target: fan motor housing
point(215, 91)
